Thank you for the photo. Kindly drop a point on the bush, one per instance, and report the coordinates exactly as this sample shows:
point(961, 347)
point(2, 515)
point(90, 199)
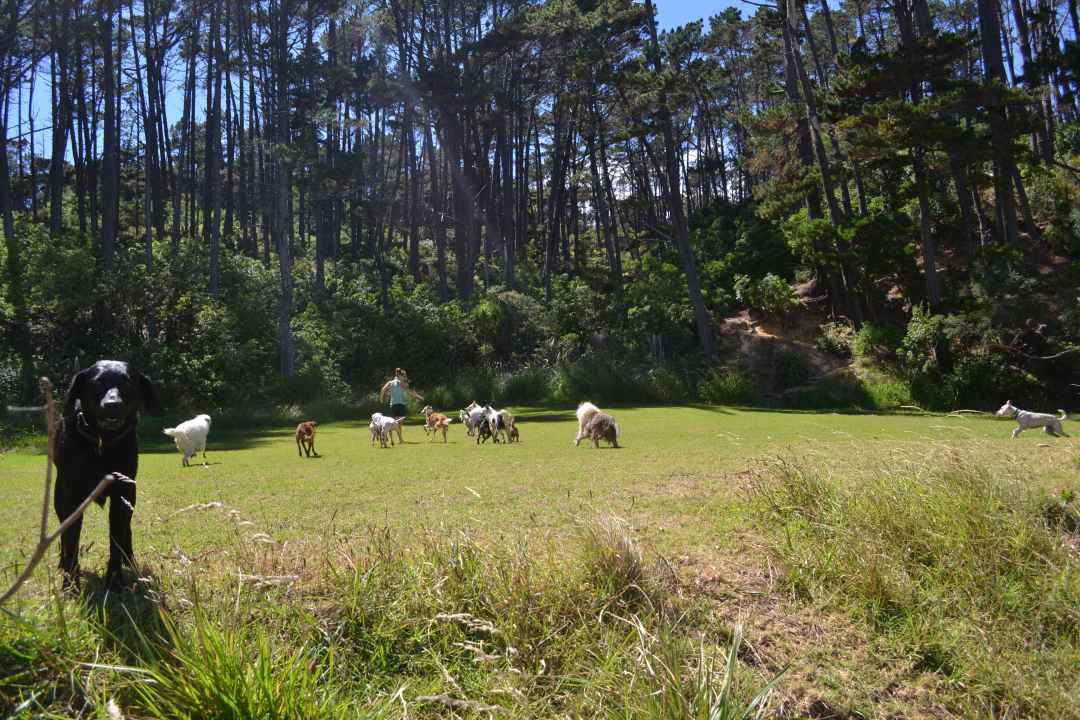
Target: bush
point(886, 392)
point(771, 295)
point(977, 370)
point(728, 386)
point(876, 343)
point(790, 369)
point(528, 385)
point(667, 385)
point(840, 391)
point(836, 338)
point(599, 382)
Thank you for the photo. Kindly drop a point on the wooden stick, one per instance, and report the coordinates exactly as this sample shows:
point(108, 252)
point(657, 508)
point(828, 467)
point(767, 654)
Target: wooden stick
point(50, 420)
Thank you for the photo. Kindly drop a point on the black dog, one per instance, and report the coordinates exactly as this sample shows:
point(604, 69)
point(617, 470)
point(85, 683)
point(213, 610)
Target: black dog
point(96, 436)
point(483, 432)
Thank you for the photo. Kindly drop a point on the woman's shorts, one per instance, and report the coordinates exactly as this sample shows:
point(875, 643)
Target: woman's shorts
point(398, 411)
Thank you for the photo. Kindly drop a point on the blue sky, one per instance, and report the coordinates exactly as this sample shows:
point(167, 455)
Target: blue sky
point(672, 13)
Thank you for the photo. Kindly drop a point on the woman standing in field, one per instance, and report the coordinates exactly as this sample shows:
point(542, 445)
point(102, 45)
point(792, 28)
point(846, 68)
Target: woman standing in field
point(397, 387)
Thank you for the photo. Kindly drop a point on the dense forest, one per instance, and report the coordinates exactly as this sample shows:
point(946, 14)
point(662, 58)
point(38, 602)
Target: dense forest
point(269, 201)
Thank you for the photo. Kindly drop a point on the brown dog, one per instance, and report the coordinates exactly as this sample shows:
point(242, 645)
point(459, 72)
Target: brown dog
point(305, 438)
point(435, 422)
point(602, 427)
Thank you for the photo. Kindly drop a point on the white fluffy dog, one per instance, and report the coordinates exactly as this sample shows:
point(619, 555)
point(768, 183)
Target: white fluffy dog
point(190, 437)
point(585, 412)
point(1050, 424)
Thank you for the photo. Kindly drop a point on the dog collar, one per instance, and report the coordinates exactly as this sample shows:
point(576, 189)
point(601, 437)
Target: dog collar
point(95, 438)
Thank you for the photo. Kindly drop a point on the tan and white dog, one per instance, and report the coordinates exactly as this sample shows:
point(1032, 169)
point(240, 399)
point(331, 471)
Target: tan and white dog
point(585, 412)
point(435, 423)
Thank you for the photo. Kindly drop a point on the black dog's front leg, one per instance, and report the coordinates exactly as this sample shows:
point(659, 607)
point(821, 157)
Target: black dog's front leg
point(121, 552)
point(69, 553)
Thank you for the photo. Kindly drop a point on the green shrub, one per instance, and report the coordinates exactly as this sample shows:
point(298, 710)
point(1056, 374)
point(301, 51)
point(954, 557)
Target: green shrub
point(528, 385)
point(771, 295)
point(790, 368)
point(667, 385)
point(839, 391)
point(836, 338)
point(877, 343)
point(729, 386)
point(887, 392)
point(600, 382)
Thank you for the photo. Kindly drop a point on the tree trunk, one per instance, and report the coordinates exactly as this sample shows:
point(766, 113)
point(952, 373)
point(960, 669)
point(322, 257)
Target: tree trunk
point(282, 221)
point(674, 201)
point(110, 161)
point(59, 19)
point(990, 34)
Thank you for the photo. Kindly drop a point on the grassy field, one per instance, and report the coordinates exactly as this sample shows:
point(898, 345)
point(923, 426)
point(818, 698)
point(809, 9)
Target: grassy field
point(883, 565)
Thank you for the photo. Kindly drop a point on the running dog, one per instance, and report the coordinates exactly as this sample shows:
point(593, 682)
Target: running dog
point(1050, 424)
point(383, 427)
point(435, 422)
point(305, 438)
point(472, 416)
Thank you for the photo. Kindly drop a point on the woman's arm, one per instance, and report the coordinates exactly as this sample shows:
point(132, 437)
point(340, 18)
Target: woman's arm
point(385, 389)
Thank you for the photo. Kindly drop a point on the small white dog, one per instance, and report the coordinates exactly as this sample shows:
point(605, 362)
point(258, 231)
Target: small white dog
point(472, 416)
point(190, 437)
point(383, 427)
point(1050, 424)
point(499, 421)
point(585, 412)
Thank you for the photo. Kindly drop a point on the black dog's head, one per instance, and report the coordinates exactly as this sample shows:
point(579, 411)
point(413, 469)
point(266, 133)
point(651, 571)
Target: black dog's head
point(110, 393)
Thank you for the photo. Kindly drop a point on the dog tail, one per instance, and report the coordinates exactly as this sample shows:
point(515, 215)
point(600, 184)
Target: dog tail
point(171, 432)
point(1063, 417)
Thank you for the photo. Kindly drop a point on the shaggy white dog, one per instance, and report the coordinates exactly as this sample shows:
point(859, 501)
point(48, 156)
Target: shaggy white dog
point(190, 437)
point(585, 413)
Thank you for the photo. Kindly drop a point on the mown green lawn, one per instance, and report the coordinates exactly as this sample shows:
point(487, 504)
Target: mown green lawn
point(870, 555)
point(676, 478)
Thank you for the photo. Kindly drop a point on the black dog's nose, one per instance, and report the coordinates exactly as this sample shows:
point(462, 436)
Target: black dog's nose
point(112, 400)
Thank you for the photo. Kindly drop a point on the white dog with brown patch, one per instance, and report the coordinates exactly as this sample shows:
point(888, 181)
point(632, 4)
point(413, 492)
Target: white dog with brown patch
point(1050, 424)
point(585, 412)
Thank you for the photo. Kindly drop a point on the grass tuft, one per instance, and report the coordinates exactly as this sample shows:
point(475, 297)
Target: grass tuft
point(949, 558)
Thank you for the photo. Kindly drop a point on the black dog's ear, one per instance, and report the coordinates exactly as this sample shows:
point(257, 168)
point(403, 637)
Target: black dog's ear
point(150, 401)
point(75, 390)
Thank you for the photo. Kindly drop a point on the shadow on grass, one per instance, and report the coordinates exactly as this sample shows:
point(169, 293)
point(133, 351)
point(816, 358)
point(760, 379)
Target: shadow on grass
point(219, 441)
point(132, 618)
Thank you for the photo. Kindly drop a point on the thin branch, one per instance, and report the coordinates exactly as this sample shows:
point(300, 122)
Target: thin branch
point(50, 419)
